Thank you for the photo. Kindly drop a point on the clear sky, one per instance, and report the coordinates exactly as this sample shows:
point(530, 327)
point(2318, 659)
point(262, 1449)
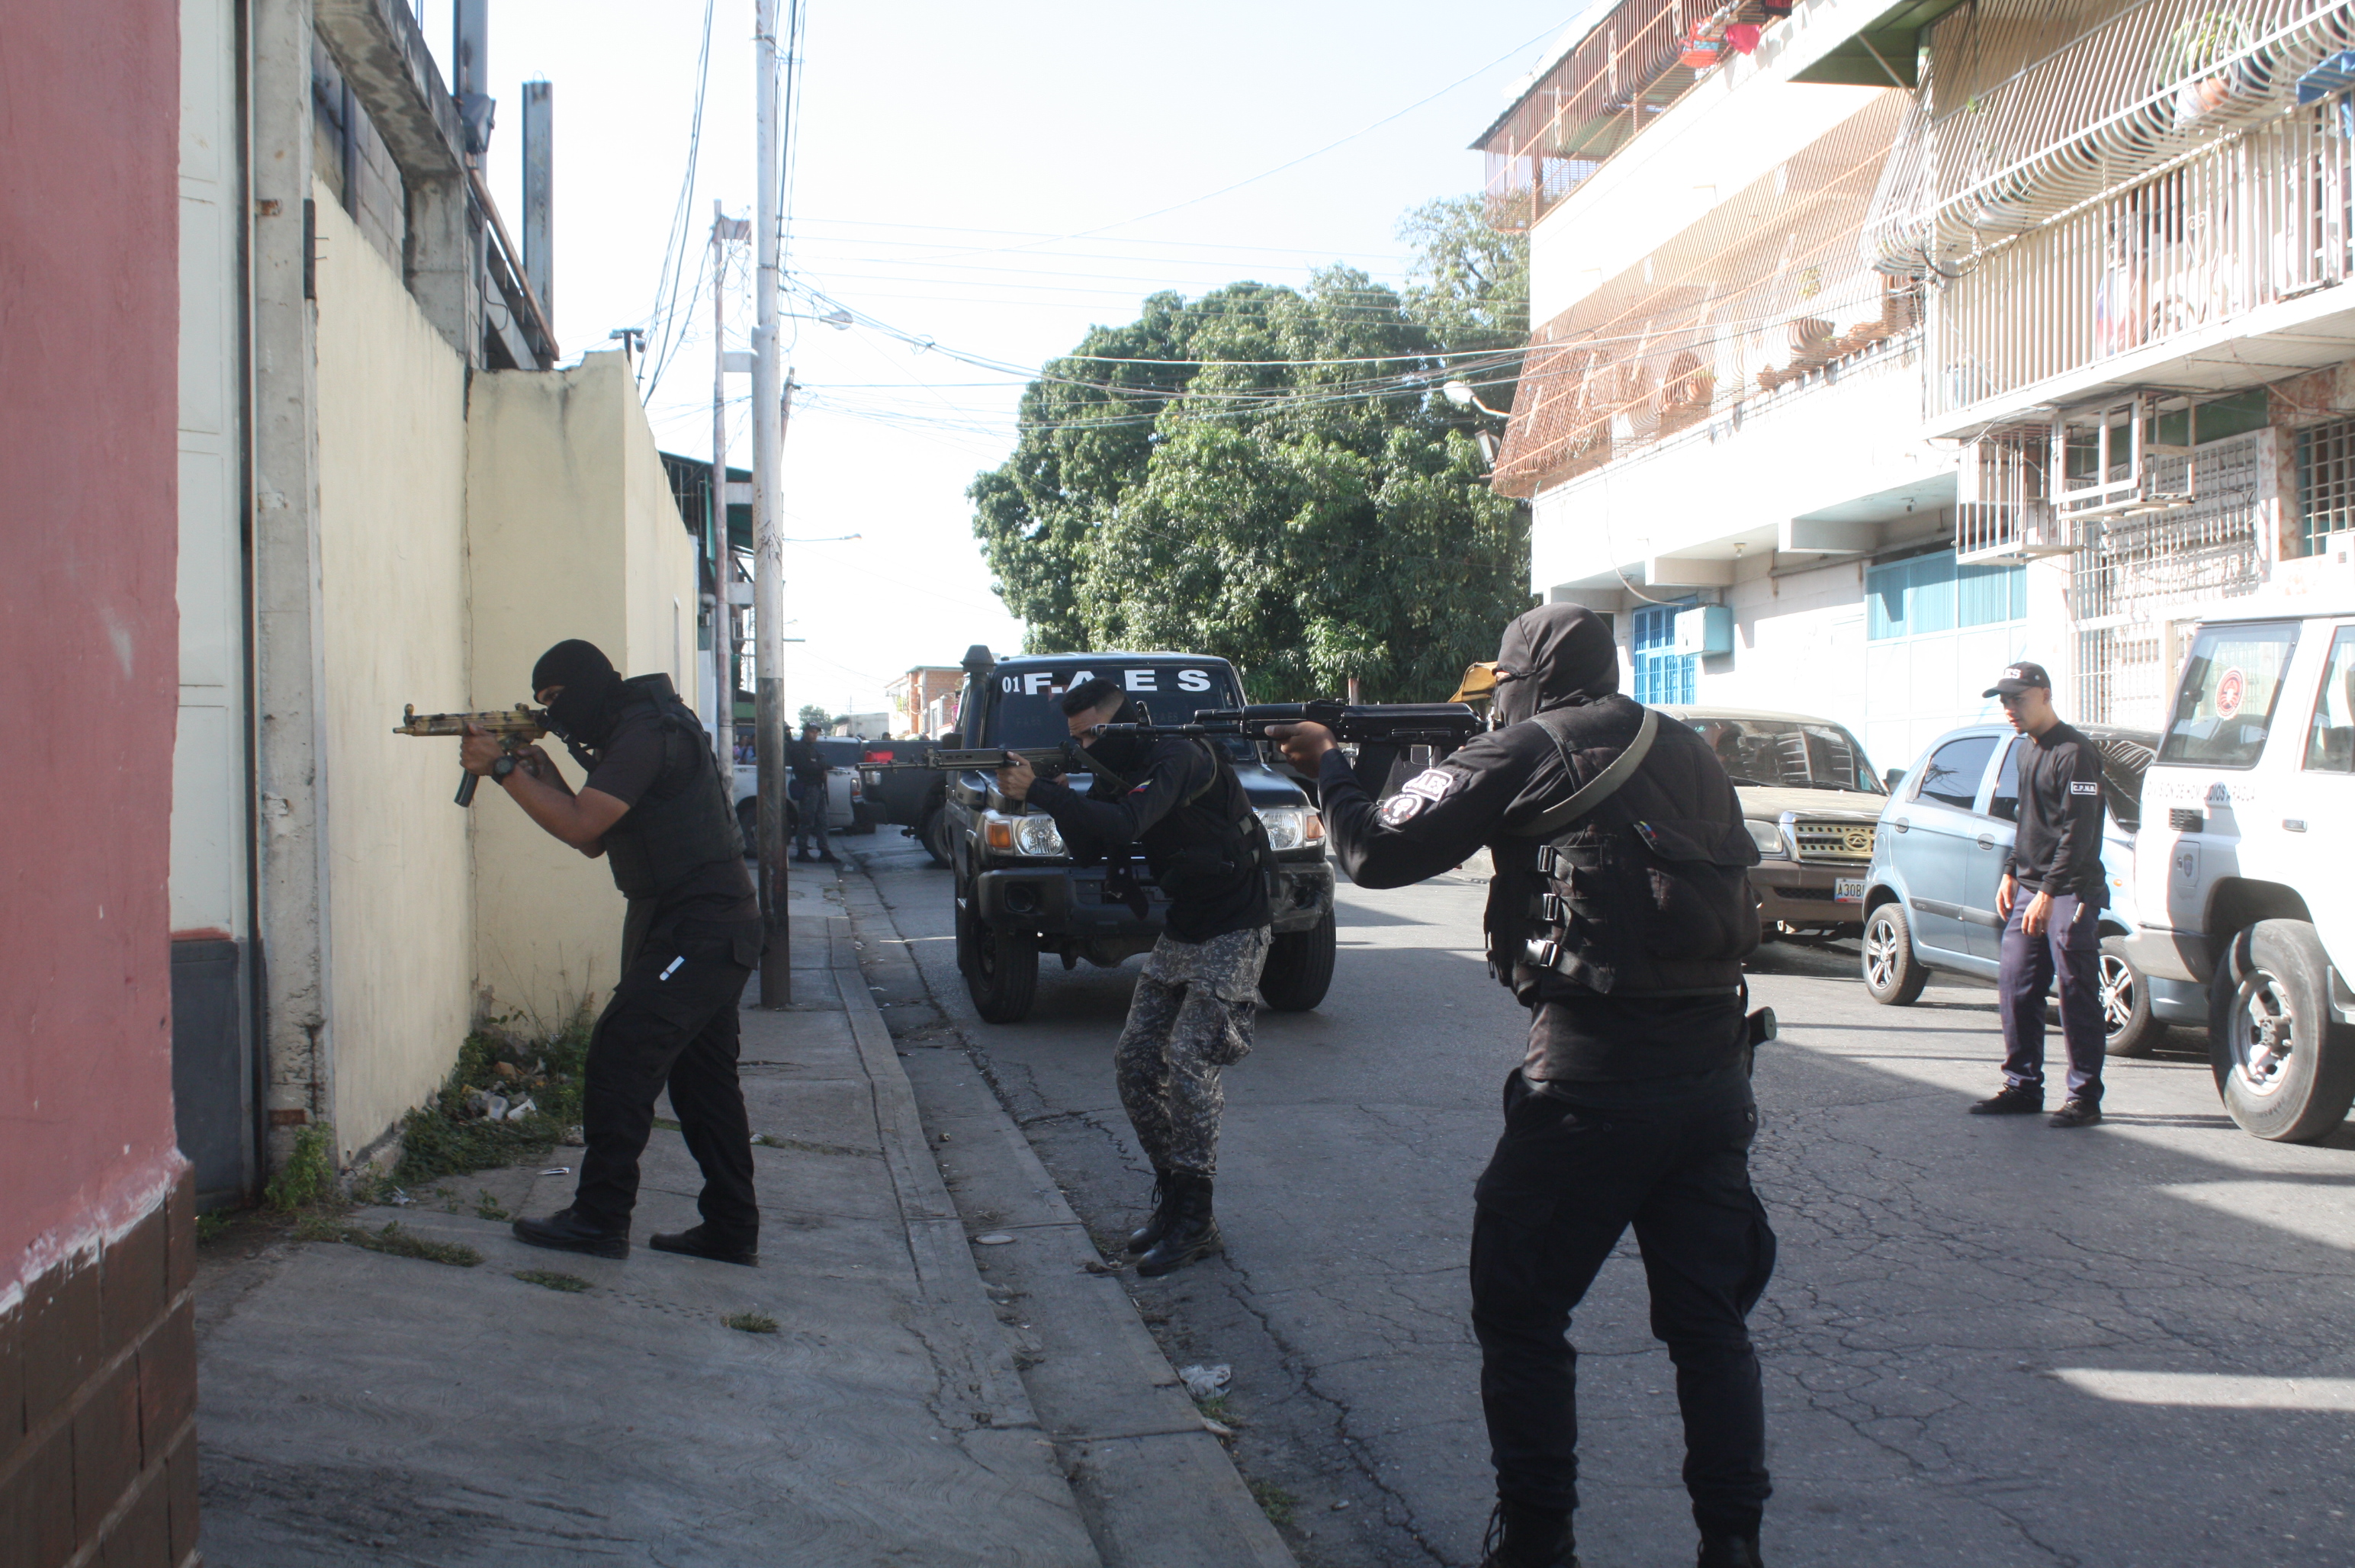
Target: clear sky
point(981, 176)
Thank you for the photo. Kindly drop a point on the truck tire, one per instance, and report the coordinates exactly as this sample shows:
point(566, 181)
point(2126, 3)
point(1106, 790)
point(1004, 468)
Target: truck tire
point(1001, 968)
point(2130, 1027)
point(2284, 1069)
point(934, 834)
point(1299, 968)
point(1893, 975)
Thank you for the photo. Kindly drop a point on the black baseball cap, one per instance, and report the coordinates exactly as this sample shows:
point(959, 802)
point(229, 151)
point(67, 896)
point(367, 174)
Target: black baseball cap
point(2018, 678)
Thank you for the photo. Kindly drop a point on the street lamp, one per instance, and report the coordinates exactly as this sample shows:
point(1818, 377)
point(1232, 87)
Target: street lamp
point(1460, 393)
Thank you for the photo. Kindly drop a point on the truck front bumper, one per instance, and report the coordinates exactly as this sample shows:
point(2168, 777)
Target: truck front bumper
point(1069, 901)
point(1810, 895)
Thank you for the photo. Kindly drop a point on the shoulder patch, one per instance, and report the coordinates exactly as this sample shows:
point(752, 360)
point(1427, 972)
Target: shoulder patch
point(1400, 808)
point(1435, 785)
point(2084, 786)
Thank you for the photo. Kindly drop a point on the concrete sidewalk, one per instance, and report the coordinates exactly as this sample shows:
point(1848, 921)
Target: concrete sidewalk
point(370, 1409)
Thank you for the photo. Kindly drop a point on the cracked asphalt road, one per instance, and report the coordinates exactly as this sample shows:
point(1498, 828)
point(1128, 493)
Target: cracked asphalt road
point(1987, 1342)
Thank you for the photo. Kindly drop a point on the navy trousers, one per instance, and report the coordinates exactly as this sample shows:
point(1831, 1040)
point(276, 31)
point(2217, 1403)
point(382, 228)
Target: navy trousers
point(2071, 951)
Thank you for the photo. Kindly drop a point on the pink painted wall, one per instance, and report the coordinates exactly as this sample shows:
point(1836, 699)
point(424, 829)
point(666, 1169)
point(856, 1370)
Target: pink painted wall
point(89, 101)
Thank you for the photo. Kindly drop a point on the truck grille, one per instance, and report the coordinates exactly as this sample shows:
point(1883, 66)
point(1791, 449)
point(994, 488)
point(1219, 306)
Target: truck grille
point(1845, 842)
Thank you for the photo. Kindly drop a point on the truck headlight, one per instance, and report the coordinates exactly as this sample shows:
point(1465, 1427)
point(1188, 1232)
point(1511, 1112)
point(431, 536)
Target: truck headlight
point(1032, 834)
point(1291, 826)
point(1768, 837)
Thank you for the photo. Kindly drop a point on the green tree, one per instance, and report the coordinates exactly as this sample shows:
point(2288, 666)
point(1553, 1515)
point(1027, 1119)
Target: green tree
point(1270, 474)
point(813, 714)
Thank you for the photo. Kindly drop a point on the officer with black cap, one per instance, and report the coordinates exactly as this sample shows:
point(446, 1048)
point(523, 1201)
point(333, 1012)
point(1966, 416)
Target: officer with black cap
point(654, 804)
point(2056, 858)
point(1619, 912)
point(1177, 800)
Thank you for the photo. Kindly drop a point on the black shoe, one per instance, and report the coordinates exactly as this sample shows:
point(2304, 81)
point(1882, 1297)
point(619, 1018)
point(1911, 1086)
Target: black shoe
point(1156, 1225)
point(1192, 1232)
point(825, 855)
point(1729, 1552)
point(2076, 1113)
point(700, 1242)
point(567, 1232)
point(1523, 1536)
point(2012, 1100)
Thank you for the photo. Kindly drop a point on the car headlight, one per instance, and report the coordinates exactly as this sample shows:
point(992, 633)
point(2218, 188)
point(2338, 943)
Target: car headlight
point(1768, 836)
point(1032, 834)
point(1291, 826)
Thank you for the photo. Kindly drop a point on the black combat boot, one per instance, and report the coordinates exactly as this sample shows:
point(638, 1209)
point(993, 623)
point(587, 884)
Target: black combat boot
point(1520, 1536)
point(703, 1242)
point(1141, 1240)
point(1722, 1551)
point(1192, 1230)
point(2011, 1099)
point(570, 1230)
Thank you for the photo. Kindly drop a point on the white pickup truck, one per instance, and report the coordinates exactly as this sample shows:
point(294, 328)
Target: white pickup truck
point(2245, 870)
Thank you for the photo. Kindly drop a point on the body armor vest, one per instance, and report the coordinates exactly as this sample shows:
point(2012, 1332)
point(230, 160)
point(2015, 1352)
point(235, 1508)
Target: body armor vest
point(683, 821)
point(1647, 894)
point(1209, 840)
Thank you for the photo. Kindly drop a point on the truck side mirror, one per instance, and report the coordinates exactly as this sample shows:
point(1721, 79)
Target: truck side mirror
point(1893, 778)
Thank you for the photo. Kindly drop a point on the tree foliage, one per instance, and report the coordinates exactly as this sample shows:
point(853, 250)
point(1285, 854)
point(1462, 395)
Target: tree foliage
point(1271, 474)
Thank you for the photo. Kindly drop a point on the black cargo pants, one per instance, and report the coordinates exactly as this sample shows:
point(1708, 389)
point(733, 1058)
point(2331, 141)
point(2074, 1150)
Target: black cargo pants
point(671, 1024)
point(1564, 1184)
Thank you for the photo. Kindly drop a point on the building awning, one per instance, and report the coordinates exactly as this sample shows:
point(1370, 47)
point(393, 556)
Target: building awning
point(1883, 52)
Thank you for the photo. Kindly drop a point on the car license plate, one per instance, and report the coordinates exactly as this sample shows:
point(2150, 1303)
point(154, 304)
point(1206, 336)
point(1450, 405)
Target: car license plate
point(1849, 890)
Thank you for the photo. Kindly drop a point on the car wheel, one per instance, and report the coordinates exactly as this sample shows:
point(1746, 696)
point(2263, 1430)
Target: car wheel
point(934, 834)
point(1893, 976)
point(2128, 1026)
point(1299, 968)
point(1001, 968)
point(2285, 1071)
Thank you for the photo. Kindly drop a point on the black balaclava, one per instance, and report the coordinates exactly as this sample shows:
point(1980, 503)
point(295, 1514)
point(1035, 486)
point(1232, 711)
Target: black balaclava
point(582, 712)
point(1123, 755)
point(1558, 656)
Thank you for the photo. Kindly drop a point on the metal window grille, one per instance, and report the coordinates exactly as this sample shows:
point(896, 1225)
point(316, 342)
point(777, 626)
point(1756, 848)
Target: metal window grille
point(2326, 482)
point(1662, 674)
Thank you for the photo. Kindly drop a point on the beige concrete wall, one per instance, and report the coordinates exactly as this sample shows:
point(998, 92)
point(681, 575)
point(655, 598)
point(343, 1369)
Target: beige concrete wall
point(392, 499)
point(573, 534)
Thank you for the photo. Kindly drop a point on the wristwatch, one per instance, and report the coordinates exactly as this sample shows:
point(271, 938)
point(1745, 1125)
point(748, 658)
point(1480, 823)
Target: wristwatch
point(502, 766)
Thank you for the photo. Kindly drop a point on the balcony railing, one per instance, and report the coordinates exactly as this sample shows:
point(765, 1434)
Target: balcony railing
point(2261, 217)
point(1622, 75)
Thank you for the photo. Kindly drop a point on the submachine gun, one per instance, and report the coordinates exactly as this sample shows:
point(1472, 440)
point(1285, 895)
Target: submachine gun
point(516, 729)
point(1381, 731)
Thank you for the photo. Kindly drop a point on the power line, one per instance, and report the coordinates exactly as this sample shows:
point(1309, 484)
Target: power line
point(665, 315)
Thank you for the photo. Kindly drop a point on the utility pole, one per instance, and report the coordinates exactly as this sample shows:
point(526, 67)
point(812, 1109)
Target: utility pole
point(723, 558)
point(768, 553)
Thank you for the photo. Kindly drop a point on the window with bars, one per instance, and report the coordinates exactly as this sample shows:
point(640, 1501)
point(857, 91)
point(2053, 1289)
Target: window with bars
point(2326, 482)
point(1662, 673)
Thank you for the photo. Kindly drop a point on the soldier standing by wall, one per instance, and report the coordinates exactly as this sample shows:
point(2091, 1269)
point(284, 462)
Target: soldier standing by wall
point(1619, 913)
point(655, 806)
point(1191, 1015)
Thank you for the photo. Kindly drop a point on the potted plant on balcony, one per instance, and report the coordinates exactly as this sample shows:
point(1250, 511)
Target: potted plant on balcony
point(2194, 57)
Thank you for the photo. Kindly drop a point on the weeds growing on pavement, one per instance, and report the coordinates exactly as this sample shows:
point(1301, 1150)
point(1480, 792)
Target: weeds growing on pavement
point(487, 1207)
point(547, 1279)
point(751, 1322)
point(403, 1244)
point(1274, 1502)
point(210, 1227)
point(450, 1134)
point(309, 1174)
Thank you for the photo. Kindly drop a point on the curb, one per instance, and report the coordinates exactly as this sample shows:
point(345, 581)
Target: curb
point(1156, 1488)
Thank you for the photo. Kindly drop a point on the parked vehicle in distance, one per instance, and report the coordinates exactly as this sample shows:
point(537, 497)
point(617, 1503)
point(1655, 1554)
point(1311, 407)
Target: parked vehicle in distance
point(2245, 873)
point(1019, 893)
point(1945, 838)
point(913, 798)
point(1810, 798)
point(843, 794)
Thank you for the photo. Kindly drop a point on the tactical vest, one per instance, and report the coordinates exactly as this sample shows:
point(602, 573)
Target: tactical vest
point(684, 820)
point(1646, 894)
point(1209, 840)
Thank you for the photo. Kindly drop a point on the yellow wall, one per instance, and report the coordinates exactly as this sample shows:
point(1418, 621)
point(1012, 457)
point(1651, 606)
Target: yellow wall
point(573, 534)
point(392, 510)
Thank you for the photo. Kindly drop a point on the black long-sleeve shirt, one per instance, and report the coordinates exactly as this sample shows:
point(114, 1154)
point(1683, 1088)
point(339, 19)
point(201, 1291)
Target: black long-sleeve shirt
point(2058, 848)
point(1154, 813)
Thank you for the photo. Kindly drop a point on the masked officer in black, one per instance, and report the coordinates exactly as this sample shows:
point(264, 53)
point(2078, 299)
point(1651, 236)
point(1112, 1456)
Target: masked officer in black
point(1620, 913)
point(655, 806)
point(2056, 931)
point(1180, 802)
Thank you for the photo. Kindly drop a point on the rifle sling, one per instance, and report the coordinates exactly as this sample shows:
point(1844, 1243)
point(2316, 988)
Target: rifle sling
point(1599, 788)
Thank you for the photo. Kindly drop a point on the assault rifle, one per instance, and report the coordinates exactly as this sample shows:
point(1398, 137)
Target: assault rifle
point(1047, 761)
point(514, 729)
point(1380, 731)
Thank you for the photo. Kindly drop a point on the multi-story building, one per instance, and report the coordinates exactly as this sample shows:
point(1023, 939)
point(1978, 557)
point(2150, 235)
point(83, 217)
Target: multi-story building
point(919, 699)
point(1882, 343)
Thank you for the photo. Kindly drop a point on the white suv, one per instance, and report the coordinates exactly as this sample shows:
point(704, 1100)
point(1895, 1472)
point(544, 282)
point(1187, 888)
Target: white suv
point(2244, 870)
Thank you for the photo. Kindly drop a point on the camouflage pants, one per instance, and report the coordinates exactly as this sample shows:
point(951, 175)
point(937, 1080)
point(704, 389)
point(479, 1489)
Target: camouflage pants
point(1190, 1017)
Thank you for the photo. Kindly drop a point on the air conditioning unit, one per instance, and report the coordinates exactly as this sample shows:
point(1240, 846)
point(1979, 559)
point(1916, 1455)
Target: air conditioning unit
point(2003, 507)
point(1705, 629)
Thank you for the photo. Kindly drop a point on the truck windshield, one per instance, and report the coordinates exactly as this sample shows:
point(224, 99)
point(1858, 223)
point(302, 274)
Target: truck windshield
point(2225, 704)
point(1028, 711)
point(1787, 753)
